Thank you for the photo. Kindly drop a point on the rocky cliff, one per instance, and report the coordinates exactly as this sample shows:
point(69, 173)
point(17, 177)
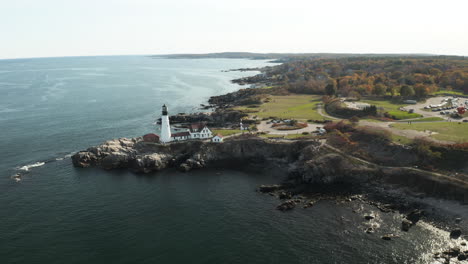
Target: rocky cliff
point(301, 162)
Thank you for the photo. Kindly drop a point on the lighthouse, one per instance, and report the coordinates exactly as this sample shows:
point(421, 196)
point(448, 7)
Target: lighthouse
point(165, 126)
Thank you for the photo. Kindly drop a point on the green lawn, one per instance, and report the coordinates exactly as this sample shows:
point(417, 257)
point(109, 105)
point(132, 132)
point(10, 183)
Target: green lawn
point(428, 119)
point(226, 132)
point(442, 92)
point(450, 131)
point(392, 108)
point(401, 139)
point(300, 107)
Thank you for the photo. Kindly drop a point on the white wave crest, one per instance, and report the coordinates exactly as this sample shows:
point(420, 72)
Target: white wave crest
point(27, 167)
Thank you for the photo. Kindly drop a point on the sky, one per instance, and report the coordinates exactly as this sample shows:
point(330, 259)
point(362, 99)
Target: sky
point(51, 28)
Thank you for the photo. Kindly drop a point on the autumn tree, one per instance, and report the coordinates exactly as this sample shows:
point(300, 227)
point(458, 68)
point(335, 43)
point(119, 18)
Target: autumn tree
point(330, 89)
point(407, 90)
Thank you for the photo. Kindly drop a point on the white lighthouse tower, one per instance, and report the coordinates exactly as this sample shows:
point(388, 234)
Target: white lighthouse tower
point(165, 126)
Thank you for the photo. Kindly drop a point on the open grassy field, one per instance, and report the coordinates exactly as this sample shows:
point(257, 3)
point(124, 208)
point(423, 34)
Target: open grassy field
point(300, 107)
point(226, 132)
point(443, 92)
point(450, 131)
point(392, 108)
point(428, 119)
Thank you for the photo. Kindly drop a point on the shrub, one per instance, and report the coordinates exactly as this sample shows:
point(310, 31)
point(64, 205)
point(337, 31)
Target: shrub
point(422, 147)
point(354, 119)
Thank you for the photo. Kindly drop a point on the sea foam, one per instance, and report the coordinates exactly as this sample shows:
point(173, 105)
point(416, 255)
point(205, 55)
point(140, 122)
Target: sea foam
point(27, 167)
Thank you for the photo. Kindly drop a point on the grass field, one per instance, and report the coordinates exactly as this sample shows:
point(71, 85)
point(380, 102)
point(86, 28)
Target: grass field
point(300, 107)
point(428, 119)
point(392, 108)
point(443, 92)
point(450, 131)
point(226, 132)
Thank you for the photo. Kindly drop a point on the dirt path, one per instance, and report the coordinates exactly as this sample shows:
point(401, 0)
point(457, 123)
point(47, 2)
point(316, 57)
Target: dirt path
point(322, 113)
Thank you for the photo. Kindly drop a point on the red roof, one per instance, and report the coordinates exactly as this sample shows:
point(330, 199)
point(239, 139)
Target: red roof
point(219, 135)
point(180, 134)
point(197, 127)
point(151, 137)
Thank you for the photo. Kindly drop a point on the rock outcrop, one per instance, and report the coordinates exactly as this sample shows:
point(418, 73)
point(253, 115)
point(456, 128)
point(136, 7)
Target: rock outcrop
point(301, 162)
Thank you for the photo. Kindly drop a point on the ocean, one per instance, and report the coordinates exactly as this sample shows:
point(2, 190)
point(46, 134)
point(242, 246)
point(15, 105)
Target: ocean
point(52, 107)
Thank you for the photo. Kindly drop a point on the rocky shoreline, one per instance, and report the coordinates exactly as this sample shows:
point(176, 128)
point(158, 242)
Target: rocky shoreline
point(308, 173)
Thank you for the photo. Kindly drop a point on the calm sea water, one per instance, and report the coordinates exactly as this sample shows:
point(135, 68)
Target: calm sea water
point(60, 214)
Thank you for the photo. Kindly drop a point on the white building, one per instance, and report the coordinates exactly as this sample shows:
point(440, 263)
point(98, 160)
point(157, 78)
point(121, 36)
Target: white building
point(195, 131)
point(199, 131)
point(218, 138)
point(165, 126)
point(242, 127)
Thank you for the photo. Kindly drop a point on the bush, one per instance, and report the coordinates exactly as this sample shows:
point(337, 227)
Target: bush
point(305, 133)
point(422, 147)
point(340, 126)
point(372, 134)
point(354, 119)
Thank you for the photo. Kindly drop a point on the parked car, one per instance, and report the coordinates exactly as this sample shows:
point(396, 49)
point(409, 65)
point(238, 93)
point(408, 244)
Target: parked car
point(442, 113)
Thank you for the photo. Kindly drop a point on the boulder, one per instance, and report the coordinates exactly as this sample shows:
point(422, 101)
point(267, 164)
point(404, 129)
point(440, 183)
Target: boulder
point(455, 233)
point(406, 225)
point(369, 217)
point(114, 160)
point(414, 216)
point(184, 167)
point(284, 195)
point(288, 205)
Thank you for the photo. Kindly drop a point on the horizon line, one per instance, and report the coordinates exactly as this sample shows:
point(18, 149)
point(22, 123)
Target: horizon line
point(228, 52)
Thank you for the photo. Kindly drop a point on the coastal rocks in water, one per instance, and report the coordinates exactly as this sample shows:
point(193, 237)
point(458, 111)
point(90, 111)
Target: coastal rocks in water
point(288, 205)
point(190, 164)
point(458, 220)
point(284, 195)
point(369, 217)
point(388, 237)
point(455, 233)
point(269, 188)
point(411, 219)
point(84, 159)
point(414, 216)
point(406, 224)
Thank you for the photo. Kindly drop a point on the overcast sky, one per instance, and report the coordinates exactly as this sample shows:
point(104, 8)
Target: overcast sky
point(45, 28)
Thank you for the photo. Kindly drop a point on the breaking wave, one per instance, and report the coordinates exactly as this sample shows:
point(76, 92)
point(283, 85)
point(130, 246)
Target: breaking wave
point(27, 167)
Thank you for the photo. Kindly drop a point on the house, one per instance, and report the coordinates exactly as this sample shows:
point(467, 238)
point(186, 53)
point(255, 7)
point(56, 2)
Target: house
point(180, 136)
point(151, 138)
point(218, 138)
point(199, 131)
point(242, 127)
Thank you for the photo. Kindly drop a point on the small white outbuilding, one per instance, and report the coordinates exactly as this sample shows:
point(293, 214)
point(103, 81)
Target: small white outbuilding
point(218, 138)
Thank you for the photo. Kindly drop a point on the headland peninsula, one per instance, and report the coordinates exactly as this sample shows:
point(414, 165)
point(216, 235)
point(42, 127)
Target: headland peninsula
point(386, 130)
